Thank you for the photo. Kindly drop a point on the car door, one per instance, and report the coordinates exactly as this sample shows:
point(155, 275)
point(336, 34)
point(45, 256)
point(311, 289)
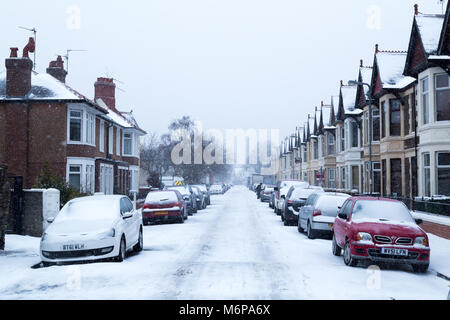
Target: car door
point(129, 222)
point(341, 225)
point(303, 214)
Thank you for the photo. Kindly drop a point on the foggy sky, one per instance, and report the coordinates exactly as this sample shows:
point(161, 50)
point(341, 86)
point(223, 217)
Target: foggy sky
point(229, 63)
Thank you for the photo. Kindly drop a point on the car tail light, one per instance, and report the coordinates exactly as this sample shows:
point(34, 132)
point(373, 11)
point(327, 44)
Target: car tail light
point(290, 201)
point(317, 212)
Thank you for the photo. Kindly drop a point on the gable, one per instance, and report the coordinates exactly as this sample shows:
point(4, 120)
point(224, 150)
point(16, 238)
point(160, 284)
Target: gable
point(444, 42)
point(416, 60)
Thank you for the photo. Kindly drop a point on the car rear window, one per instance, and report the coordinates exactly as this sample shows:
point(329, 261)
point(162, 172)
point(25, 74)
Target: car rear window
point(182, 190)
point(161, 196)
point(302, 193)
point(330, 203)
point(380, 210)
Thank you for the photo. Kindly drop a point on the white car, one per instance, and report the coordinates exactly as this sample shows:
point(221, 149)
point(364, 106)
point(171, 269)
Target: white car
point(216, 189)
point(93, 228)
point(282, 190)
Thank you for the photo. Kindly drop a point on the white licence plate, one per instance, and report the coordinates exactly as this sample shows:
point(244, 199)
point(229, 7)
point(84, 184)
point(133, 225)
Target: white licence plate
point(72, 247)
point(396, 252)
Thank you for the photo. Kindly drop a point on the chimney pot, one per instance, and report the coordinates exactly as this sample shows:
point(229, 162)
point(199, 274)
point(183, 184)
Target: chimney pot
point(416, 9)
point(342, 83)
point(361, 63)
point(13, 52)
point(376, 48)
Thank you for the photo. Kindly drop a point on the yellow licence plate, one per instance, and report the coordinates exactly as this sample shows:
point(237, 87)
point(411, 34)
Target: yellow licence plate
point(161, 213)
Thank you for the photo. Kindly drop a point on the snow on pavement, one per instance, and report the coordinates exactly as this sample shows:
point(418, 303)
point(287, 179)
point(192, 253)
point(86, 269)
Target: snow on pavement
point(235, 249)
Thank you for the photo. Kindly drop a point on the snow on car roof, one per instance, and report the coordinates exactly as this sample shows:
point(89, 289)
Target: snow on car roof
point(430, 26)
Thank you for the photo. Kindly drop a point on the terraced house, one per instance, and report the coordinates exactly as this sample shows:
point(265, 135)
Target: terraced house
point(90, 143)
point(390, 134)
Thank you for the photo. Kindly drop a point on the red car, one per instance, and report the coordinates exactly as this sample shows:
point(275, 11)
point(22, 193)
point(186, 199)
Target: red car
point(379, 229)
point(164, 206)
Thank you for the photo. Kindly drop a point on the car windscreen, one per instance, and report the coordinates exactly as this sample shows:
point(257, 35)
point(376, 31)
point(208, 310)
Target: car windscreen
point(202, 188)
point(381, 210)
point(162, 196)
point(288, 184)
point(89, 209)
point(268, 189)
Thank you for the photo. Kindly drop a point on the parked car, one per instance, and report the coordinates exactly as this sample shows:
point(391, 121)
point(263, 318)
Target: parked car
point(379, 229)
point(93, 228)
point(164, 206)
point(204, 189)
point(266, 192)
point(188, 196)
point(317, 214)
point(295, 199)
point(282, 189)
point(272, 199)
point(216, 189)
point(199, 198)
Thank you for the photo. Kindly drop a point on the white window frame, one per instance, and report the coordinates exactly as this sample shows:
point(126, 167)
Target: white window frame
point(87, 134)
point(106, 178)
point(425, 169)
point(87, 172)
point(443, 166)
point(102, 136)
point(118, 139)
point(111, 140)
point(425, 99)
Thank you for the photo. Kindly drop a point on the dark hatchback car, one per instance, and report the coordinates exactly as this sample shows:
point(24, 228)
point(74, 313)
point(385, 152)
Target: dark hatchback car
point(204, 189)
point(188, 196)
point(266, 192)
point(296, 199)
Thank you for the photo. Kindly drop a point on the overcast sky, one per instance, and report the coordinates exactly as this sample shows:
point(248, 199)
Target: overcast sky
point(229, 63)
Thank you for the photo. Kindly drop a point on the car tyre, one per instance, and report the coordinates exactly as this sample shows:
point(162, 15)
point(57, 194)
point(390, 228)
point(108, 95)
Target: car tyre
point(311, 233)
point(122, 250)
point(420, 268)
point(348, 259)
point(140, 244)
point(299, 226)
point(335, 248)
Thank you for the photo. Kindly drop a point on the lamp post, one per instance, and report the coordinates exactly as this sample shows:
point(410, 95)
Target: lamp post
point(352, 83)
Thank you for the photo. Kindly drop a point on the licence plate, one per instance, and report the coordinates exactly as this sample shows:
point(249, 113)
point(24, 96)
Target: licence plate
point(161, 213)
point(72, 247)
point(396, 252)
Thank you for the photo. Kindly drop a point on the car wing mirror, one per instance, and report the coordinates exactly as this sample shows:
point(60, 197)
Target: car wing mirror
point(343, 216)
point(50, 219)
point(419, 221)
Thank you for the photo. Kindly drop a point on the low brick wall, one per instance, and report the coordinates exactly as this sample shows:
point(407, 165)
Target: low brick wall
point(32, 214)
point(436, 229)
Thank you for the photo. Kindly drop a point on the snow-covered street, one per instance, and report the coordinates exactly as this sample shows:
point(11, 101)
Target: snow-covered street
point(235, 249)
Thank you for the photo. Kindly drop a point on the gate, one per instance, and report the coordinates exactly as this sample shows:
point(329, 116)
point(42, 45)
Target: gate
point(17, 205)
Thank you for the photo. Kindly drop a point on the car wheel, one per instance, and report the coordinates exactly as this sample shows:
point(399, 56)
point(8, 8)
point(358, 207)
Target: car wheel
point(181, 219)
point(420, 268)
point(348, 259)
point(335, 248)
point(122, 250)
point(140, 245)
point(311, 233)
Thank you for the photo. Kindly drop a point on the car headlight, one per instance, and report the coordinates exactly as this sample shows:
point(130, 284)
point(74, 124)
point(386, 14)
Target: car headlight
point(421, 241)
point(111, 233)
point(44, 237)
point(364, 236)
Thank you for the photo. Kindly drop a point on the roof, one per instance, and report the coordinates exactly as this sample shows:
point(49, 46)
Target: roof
point(366, 77)
point(348, 94)
point(391, 65)
point(127, 122)
point(430, 27)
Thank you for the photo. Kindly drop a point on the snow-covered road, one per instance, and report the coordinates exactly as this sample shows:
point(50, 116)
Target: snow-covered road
point(235, 249)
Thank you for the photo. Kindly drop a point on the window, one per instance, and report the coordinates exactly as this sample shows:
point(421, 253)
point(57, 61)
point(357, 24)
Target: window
point(331, 179)
point(353, 134)
point(342, 139)
point(90, 128)
point(407, 177)
point(110, 140)
point(343, 177)
point(75, 125)
point(426, 174)
point(383, 176)
point(443, 173)
point(118, 138)
point(75, 176)
point(375, 125)
point(323, 150)
point(382, 119)
point(89, 179)
point(366, 127)
point(406, 108)
point(316, 149)
point(396, 177)
point(106, 179)
point(102, 136)
point(330, 144)
point(394, 124)
point(425, 101)
point(376, 177)
point(442, 97)
point(127, 144)
point(355, 177)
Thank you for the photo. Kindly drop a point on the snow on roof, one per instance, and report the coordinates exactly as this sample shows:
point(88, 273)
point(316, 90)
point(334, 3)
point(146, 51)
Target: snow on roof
point(391, 65)
point(348, 98)
point(366, 74)
point(125, 119)
point(430, 27)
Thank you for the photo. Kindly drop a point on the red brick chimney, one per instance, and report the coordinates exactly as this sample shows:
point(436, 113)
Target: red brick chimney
point(18, 75)
point(56, 69)
point(105, 89)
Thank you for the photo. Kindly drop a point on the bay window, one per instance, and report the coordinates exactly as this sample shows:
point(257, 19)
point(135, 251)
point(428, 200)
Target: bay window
point(394, 125)
point(426, 174)
point(81, 126)
point(443, 173)
point(75, 125)
point(102, 136)
point(330, 144)
point(118, 138)
point(442, 97)
point(75, 176)
point(127, 144)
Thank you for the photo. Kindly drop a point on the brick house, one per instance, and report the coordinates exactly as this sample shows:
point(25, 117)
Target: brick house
point(90, 143)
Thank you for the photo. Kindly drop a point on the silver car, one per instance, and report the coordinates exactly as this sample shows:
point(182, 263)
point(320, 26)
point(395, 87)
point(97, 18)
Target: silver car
point(319, 212)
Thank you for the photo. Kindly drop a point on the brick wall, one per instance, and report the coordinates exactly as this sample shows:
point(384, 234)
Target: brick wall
point(32, 214)
point(436, 229)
